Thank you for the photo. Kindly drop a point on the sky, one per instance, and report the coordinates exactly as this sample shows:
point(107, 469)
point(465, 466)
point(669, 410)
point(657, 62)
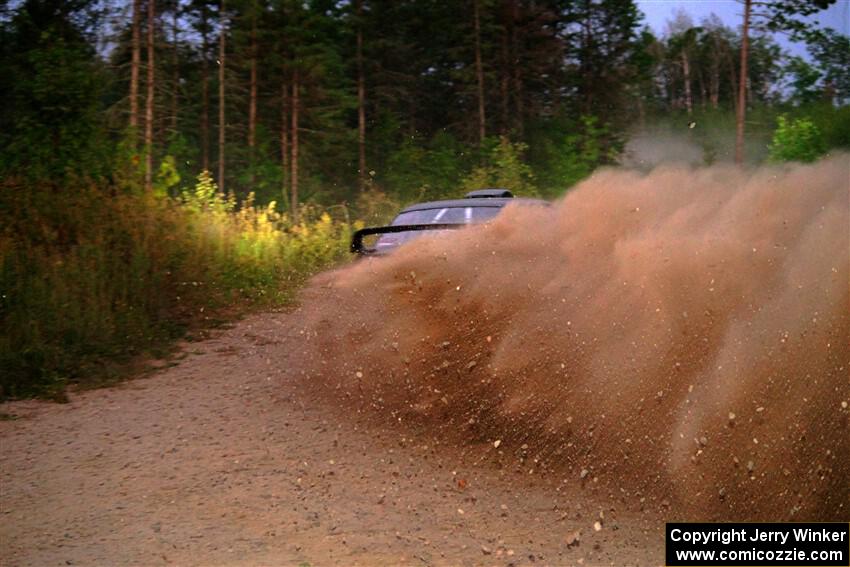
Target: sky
point(658, 12)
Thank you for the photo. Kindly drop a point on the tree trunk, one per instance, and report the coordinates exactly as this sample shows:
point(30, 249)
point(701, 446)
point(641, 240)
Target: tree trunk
point(293, 179)
point(361, 103)
point(134, 70)
point(504, 79)
point(686, 71)
point(516, 73)
point(149, 101)
point(252, 100)
point(587, 34)
point(714, 82)
point(221, 125)
point(284, 142)
point(479, 73)
point(750, 94)
point(205, 93)
point(703, 94)
point(175, 73)
point(742, 86)
point(733, 81)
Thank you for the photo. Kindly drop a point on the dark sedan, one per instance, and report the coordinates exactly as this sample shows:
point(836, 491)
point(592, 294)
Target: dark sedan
point(476, 207)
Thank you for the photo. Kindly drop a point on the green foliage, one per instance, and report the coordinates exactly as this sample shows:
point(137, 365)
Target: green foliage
point(425, 171)
point(88, 277)
point(503, 167)
point(580, 153)
point(167, 177)
point(804, 81)
point(204, 196)
point(603, 38)
point(49, 122)
point(375, 207)
point(796, 140)
point(833, 123)
point(831, 53)
point(784, 15)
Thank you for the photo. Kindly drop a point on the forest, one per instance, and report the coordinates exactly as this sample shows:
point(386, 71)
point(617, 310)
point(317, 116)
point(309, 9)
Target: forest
point(167, 164)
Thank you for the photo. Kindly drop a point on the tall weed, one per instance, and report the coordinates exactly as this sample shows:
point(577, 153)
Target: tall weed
point(89, 275)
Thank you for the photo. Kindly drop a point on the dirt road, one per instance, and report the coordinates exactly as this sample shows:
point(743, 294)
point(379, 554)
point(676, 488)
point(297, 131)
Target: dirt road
point(223, 460)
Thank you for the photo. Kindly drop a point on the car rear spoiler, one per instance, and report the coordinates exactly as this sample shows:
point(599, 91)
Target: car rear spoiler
point(357, 246)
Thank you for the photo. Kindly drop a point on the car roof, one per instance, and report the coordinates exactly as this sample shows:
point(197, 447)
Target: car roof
point(496, 202)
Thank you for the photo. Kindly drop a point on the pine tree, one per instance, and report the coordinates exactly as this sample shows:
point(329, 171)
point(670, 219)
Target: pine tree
point(134, 70)
point(361, 100)
point(776, 15)
point(201, 15)
point(222, 65)
point(51, 121)
point(149, 99)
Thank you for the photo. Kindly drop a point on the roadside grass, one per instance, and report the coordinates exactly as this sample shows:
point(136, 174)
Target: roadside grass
point(93, 279)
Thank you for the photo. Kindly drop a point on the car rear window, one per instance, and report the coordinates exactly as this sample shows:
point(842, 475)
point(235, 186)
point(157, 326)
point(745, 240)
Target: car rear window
point(458, 215)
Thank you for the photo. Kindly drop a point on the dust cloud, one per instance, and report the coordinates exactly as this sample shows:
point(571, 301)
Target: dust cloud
point(680, 338)
point(650, 147)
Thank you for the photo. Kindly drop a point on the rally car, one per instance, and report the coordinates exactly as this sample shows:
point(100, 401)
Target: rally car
point(476, 207)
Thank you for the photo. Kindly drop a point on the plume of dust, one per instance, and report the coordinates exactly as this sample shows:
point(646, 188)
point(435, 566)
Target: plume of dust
point(651, 147)
point(681, 337)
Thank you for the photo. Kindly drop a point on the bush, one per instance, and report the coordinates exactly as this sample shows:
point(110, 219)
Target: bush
point(417, 172)
point(796, 140)
point(583, 151)
point(833, 123)
point(503, 167)
point(89, 275)
point(376, 207)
